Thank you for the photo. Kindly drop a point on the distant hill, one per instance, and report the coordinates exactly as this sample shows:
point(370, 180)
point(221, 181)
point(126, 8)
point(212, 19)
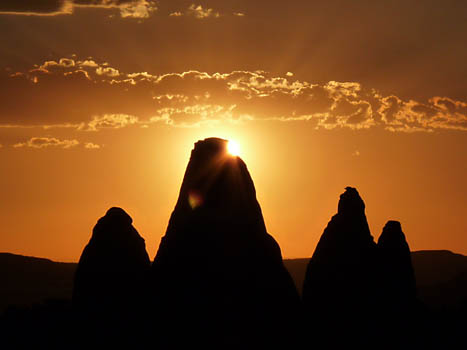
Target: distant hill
point(441, 278)
point(27, 280)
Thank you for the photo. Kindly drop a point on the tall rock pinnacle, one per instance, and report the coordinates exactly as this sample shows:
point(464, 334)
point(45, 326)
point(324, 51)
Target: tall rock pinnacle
point(397, 263)
point(399, 295)
point(341, 286)
point(218, 273)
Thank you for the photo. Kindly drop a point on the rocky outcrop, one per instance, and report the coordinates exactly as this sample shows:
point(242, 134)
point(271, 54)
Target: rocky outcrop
point(342, 286)
point(399, 295)
point(110, 277)
point(218, 274)
point(397, 264)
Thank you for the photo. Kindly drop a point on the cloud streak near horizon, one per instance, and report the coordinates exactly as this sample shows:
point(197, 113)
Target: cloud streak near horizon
point(45, 142)
point(127, 8)
point(140, 9)
point(53, 142)
point(88, 96)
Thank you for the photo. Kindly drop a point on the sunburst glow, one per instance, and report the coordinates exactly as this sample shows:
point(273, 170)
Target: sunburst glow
point(233, 148)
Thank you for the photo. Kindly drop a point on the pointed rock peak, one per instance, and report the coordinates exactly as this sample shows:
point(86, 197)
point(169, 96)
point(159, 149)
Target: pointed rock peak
point(392, 234)
point(118, 215)
point(350, 202)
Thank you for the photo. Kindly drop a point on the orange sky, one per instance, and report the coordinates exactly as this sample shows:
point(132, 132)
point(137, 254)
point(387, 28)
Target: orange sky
point(100, 106)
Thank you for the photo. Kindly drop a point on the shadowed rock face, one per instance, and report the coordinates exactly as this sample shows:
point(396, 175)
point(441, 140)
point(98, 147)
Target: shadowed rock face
point(217, 272)
point(110, 275)
point(341, 287)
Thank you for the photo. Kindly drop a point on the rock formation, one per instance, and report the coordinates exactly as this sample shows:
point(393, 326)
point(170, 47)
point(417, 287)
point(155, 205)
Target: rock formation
point(342, 284)
point(218, 273)
point(397, 264)
point(399, 297)
point(110, 278)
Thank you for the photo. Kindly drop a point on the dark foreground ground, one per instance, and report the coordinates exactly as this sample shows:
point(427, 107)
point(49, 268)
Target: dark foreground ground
point(29, 285)
point(24, 281)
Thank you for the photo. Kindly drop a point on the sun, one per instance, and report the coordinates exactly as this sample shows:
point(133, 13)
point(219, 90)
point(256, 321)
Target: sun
point(233, 148)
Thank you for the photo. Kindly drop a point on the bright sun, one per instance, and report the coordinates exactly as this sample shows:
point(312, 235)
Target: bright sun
point(233, 148)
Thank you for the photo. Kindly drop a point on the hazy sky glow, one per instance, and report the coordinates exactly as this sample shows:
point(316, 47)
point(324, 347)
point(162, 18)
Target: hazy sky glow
point(101, 102)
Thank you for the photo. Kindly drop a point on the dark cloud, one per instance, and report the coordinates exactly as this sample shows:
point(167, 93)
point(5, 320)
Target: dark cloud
point(31, 7)
point(390, 106)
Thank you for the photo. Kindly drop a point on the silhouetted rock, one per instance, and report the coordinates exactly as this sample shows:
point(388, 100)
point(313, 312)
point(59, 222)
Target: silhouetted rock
point(399, 294)
point(110, 281)
point(397, 264)
point(217, 272)
point(342, 284)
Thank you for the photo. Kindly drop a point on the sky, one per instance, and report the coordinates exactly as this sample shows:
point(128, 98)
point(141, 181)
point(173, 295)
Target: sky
point(101, 102)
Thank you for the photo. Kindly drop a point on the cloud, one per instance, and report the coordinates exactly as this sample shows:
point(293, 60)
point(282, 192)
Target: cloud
point(90, 95)
point(36, 8)
point(139, 9)
point(88, 63)
point(198, 114)
point(46, 142)
point(62, 63)
point(127, 8)
point(109, 71)
point(112, 121)
point(90, 145)
point(199, 12)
